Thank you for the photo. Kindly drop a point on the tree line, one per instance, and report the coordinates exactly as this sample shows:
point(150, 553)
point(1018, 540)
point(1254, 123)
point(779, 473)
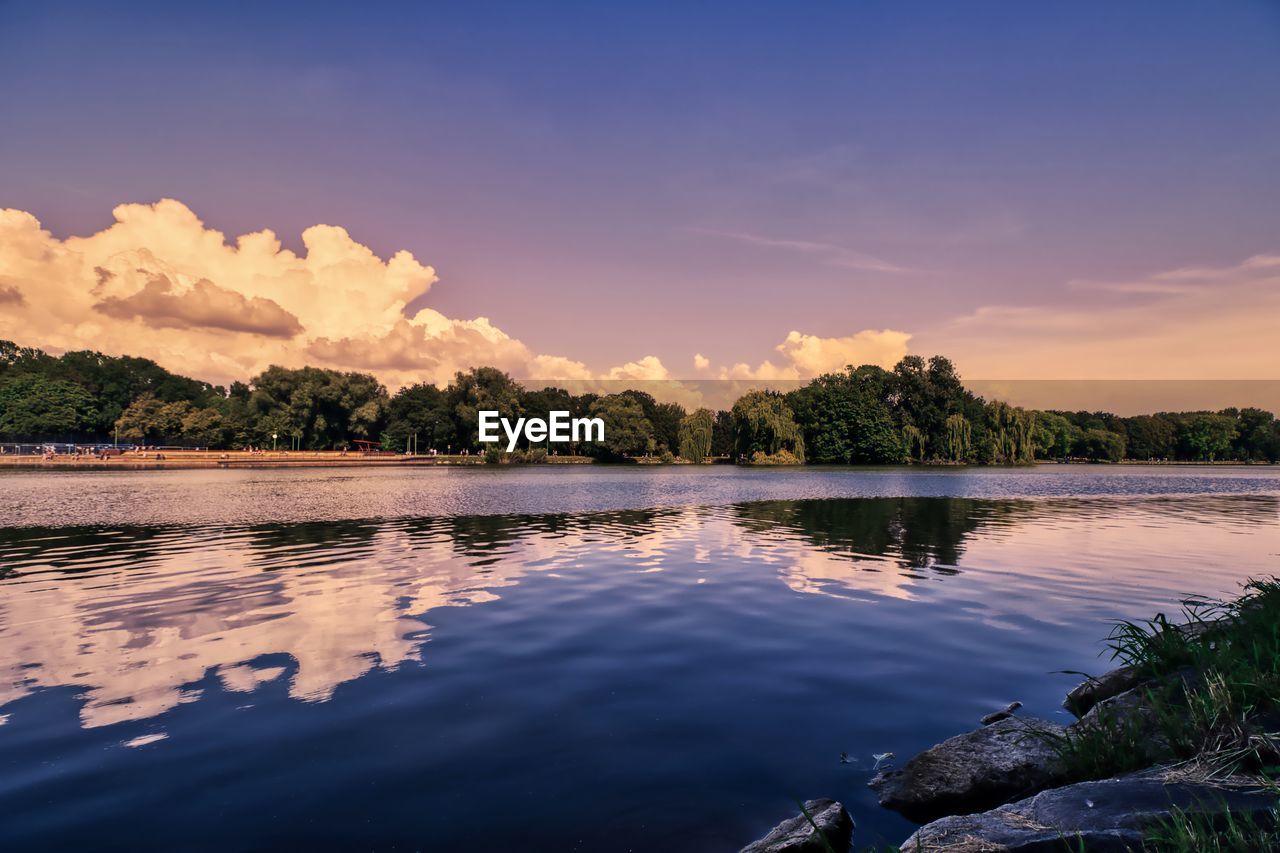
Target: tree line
point(919, 411)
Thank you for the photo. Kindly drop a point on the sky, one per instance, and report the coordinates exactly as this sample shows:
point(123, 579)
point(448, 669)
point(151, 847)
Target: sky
point(648, 191)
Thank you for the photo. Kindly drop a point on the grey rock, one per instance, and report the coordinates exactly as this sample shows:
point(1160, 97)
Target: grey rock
point(1003, 714)
point(797, 835)
point(1130, 715)
point(1100, 817)
point(1127, 709)
point(977, 770)
point(1089, 693)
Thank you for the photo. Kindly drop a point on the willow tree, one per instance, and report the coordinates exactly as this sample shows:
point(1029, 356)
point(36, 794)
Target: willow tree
point(695, 435)
point(914, 440)
point(959, 438)
point(764, 423)
point(1012, 433)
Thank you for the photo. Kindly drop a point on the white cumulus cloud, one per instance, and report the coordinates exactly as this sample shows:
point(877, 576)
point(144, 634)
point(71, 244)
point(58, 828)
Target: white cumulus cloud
point(159, 283)
point(804, 356)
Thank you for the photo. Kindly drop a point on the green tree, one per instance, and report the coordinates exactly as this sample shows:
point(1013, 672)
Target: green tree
point(15, 359)
point(666, 421)
point(1100, 445)
point(627, 432)
point(722, 434)
point(35, 407)
point(845, 419)
point(541, 403)
point(1010, 432)
point(204, 428)
point(111, 382)
point(150, 420)
point(1255, 435)
point(421, 410)
point(115, 382)
point(318, 407)
point(924, 394)
point(764, 423)
point(959, 438)
point(1206, 437)
point(476, 390)
point(237, 419)
point(1054, 436)
point(913, 440)
point(1150, 437)
point(695, 435)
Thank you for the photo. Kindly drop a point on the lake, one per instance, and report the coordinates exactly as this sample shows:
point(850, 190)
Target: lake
point(547, 658)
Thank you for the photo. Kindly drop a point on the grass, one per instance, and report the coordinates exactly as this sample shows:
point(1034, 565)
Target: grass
point(1115, 745)
point(1211, 693)
point(1228, 698)
point(1208, 711)
point(1210, 708)
point(1238, 636)
point(1220, 832)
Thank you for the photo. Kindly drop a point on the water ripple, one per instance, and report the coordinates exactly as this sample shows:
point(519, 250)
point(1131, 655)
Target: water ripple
point(401, 676)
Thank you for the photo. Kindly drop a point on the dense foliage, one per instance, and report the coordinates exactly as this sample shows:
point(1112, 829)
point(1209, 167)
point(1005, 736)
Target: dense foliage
point(696, 431)
point(764, 427)
point(918, 412)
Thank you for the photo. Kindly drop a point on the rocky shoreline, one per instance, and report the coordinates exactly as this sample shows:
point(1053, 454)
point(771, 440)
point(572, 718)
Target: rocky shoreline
point(1163, 755)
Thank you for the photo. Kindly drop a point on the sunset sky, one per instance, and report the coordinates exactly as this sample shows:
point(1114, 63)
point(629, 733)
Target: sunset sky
point(649, 190)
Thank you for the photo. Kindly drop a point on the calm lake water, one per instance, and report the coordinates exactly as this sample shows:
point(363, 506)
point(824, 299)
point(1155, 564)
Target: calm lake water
point(653, 659)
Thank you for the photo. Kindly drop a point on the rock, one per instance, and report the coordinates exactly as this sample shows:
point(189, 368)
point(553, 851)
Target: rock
point(1110, 815)
point(1128, 709)
point(986, 767)
point(1131, 717)
point(997, 716)
point(797, 835)
point(1089, 693)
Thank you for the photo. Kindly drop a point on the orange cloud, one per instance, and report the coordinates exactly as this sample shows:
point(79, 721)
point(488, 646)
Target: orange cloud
point(10, 295)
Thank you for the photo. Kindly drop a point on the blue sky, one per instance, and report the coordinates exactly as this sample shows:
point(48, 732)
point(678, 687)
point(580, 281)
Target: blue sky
point(617, 179)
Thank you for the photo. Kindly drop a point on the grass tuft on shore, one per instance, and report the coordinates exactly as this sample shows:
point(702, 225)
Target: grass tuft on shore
point(1221, 832)
point(1111, 746)
point(1208, 708)
point(1210, 693)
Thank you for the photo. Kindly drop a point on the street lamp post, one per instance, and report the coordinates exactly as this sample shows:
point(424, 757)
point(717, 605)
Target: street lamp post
point(273, 442)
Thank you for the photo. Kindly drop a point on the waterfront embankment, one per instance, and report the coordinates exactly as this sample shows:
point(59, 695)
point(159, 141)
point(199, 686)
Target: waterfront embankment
point(182, 459)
